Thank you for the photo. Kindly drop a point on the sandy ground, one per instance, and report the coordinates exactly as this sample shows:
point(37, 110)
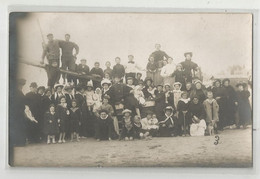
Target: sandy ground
point(234, 150)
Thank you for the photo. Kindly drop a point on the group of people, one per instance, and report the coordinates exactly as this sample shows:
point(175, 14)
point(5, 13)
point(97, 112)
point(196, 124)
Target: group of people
point(170, 101)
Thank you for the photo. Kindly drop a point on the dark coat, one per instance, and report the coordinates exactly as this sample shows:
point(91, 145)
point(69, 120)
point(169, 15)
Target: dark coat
point(75, 119)
point(159, 105)
point(64, 119)
point(118, 70)
point(17, 120)
point(244, 108)
point(69, 99)
point(119, 92)
point(104, 128)
point(51, 124)
point(83, 69)
point(159, 56)
point(201, 94)
point(197, 110)
point(127, 132)
point(188, 66)
point(80, 99)
point(180, 77)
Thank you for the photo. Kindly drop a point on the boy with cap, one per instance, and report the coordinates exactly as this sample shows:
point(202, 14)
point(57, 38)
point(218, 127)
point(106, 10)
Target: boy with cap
point(97, 71)
point(83, 69)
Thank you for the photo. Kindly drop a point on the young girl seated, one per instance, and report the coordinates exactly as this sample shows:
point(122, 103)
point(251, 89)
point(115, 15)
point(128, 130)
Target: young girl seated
point(104, 126)
point(151, 90)
point(51, 124)
point(75, 120)
point(150, 124)
point(63, 119)
point(211, 107)
point(167, 124)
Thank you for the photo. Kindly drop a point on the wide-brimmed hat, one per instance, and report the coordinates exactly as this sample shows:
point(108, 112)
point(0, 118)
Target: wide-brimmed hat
point(159, 85)
point(83, 59)
point(58, 85)
point(188, 53)
point(126, 111)
point(177, 83)
point(105, 81)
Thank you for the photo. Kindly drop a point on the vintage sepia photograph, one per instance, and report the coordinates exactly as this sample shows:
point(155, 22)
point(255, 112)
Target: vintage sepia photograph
point(130, 89)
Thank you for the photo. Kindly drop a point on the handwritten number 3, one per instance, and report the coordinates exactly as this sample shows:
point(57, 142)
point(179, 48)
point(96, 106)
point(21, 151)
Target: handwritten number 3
point(217, 139)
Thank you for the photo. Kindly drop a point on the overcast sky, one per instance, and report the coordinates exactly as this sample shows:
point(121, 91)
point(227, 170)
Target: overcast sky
point(216, 40)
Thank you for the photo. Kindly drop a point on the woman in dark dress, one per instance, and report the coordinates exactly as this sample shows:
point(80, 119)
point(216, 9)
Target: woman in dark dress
point(75, 119)
point(229, 103)
point(218, 94)
point(51, 127)
point(159, 102)
point(244, 108)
